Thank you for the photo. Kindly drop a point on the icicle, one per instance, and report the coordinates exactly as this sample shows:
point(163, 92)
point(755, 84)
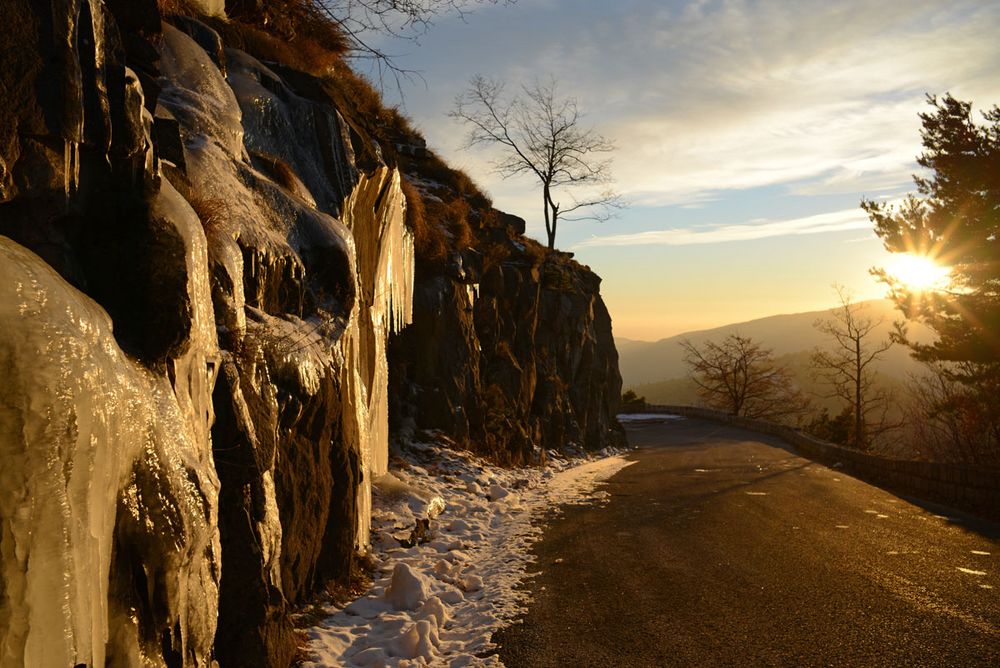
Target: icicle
point(67, 165)
point(76, 167)
point(375, 213)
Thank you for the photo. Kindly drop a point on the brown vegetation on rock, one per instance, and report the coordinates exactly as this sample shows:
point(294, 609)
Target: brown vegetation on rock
point(296, 32)
point(428, 239)
point(279, 170)
point(212, 212)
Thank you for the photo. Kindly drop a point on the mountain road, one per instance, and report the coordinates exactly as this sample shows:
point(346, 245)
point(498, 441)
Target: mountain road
point(721, 547)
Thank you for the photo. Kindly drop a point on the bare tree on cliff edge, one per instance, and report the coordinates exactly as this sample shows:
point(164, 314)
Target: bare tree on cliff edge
point(541, 134)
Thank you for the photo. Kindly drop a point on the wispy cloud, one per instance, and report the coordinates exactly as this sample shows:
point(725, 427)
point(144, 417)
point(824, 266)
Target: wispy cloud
point(710, 97)
point(834, 221)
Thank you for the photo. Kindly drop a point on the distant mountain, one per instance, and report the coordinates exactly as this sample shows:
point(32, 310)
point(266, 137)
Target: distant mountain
point(621, 343)
point(794, 335)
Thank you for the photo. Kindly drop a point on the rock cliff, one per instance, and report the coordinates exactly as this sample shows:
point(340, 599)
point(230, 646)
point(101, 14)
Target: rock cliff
point(510, 352)
point(206, 268)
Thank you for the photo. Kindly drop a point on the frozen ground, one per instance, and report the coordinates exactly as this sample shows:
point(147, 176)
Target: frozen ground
point(439, 602)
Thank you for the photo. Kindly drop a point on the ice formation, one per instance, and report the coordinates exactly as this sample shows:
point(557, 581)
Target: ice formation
point(106, 467)
point(279, 232)
point(375, 213)
point(109, 527)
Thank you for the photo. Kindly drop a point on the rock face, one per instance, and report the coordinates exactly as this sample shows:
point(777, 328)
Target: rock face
point(203, 260)
point(195, 344)
point(509, 356)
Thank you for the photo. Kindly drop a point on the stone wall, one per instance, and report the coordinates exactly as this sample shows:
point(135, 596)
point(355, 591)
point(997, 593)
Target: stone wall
point(972, 488)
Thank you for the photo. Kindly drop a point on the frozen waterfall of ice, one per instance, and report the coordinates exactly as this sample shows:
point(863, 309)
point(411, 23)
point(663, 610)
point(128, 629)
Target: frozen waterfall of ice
point(375, 212)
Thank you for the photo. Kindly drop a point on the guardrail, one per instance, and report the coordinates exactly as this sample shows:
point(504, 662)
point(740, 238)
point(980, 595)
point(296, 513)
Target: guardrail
point(972, 488)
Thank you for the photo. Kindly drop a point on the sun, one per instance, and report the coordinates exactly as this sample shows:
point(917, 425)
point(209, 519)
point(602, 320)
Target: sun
point(918, 272)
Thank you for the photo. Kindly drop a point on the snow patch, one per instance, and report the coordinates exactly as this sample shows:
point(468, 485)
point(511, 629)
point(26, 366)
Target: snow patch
point(439, 602)
point(408, 588)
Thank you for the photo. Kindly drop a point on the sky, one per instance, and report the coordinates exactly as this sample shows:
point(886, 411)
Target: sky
point(746, 135)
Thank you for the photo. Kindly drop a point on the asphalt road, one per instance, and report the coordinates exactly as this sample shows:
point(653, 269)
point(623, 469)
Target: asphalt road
point(719, 547)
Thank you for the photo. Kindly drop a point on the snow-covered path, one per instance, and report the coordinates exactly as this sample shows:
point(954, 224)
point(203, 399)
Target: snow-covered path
point(439, 602)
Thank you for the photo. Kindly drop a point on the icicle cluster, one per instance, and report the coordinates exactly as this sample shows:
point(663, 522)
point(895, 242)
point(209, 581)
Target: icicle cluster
point(375, 213)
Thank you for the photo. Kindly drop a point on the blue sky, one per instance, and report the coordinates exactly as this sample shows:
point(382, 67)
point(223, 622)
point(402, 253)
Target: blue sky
point(746, 133)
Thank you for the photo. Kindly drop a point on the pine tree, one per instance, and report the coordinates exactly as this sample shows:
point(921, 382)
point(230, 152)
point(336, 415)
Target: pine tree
point(955, 220)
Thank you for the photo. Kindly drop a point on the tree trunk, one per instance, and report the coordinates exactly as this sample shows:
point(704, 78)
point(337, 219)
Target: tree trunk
point(552, 234)
point(859, 420)
point(550, 227)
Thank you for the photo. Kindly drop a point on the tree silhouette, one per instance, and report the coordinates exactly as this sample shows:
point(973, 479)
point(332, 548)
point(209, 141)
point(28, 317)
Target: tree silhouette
point(849, 368)
point(956, 221)
point(740, 377)
point(541, 134)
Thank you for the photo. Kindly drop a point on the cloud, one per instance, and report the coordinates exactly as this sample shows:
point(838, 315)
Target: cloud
point(834, 221)
point(709, 97)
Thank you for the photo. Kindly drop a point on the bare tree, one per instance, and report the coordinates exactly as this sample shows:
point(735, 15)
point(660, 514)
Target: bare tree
point(951, 420)
point(742, 378)
point(849, 368)
point(541, 134)
point(365, 24)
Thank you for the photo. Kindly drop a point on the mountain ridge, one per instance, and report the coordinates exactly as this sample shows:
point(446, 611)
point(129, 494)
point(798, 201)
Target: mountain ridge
point(647, 362)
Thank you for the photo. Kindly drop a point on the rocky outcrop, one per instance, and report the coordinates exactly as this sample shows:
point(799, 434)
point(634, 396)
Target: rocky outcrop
point(510, 352)
point(202, 225)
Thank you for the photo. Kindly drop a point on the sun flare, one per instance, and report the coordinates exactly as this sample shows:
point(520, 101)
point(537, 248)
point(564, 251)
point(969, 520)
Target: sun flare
point(918, 272)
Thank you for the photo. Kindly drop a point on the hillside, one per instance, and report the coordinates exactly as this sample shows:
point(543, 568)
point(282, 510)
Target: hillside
point(661, 362)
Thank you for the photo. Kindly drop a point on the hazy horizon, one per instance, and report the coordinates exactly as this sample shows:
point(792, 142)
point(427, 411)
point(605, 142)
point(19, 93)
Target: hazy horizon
point(694, 330)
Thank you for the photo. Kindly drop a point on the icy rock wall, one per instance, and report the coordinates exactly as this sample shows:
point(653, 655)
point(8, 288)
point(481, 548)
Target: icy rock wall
point(99, 454)
point(217, 445)
point(109, 548)
point(305, 302)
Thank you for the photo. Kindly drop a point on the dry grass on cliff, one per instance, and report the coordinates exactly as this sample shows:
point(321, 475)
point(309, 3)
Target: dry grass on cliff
point(452, 216)
point(428, 239)
point(293, 32)
point(175, 7)
point(433, 168)
point(211, 211)
point(276, 168)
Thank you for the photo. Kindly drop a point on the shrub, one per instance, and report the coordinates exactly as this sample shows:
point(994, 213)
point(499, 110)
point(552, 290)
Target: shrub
point(833, 429)
point(453, 216)
point(632, 402)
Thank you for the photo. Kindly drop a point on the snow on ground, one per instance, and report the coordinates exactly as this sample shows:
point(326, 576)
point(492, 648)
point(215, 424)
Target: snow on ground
point(439, 602)
point(648, 417)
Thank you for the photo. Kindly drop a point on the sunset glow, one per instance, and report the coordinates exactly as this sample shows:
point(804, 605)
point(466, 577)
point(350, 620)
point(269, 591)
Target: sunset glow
point(918, 272)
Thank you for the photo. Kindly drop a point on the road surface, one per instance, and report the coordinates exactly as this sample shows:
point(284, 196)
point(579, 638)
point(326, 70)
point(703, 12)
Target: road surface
point(719, 547)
